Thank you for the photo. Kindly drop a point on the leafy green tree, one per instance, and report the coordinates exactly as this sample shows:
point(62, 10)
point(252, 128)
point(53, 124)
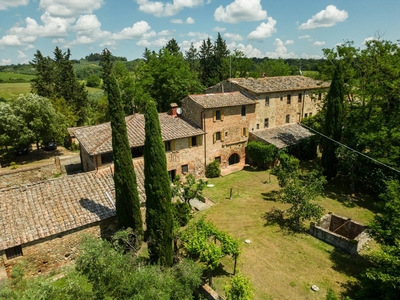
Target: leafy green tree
point(261, 153)
point(159, 219)
point(173, 47)
point(126, 84)
point(126, 193)
point(213, 170)
point(208, 66)
point(299, 189)
point(192, 57)
point(274, 67)
point(43, 83)
point(239, 288)
point(93, 81)
point(10, 126)
point(333, 123)
point(189, 189)
point(240, 65)
point(221, 54)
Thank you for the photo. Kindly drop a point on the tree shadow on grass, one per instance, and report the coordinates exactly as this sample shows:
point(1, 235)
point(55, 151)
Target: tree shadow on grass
point(277, 217)
point(270, 196)
point(352, 265)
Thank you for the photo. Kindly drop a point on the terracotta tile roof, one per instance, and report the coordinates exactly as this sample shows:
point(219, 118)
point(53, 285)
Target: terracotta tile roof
point(283, 136)
point(97, 139)
point(35, 211)
point(221, 99)
point(279, 83)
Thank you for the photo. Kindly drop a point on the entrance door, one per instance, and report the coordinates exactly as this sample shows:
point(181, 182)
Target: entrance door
point(234, 159)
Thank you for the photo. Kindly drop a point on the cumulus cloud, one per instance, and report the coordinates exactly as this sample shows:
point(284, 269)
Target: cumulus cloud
point(233, 36)
point(368, 39)
point(289, 42)
point(280, 51)
point(158, 43)
point(166, 32)
point(21, 55)
point(241, 10)
point(248, 50)
point(313, 56)
point(70, 8)
point(219, 29)
point(263, 31)
point(319, 43)
point(5, 62)
point(10, 40)
point(160, 9)
point(5, 4)
point(138, 30)
point(325, 18)
point(189, 20)
point(199, 35)
point(304, 36)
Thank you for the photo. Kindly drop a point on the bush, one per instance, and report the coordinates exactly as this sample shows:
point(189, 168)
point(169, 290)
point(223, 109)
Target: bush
point(93, 81)
point(260, 153)
point(181, 211)
point(213, 170)
point(239, 287)
point(306, 149)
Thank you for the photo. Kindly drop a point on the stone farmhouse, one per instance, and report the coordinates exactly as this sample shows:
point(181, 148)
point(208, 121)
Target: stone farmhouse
point(43, 221)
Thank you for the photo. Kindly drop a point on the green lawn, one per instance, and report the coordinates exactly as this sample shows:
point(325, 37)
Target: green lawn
point(8, 75)
point(8, 90)
point(281, 265)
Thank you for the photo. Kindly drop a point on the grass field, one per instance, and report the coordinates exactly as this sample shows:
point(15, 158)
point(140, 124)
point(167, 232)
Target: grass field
point(8, 75)
point(280, 264)
point(8, 90)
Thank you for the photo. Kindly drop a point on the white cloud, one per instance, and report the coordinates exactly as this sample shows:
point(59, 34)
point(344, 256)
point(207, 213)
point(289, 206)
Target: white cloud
point(263, 31)
point(5, 62)
point(5, 4)
point(166, 32)
point(371, 38)
point(21, 55)
point(319, 43)
point(241, 10)
point(248, 50)
point(29, 47)
point(280, 51)
point(189, 20)
point(159, 43)
point(219, 29)
point(233, 36)
point(314, 56)
point(325, 18)
point(70, 8)
point(137, 31)
point(289, 42)
point(160, 9)
point(87, 23)
point(176, 21)
point(10, 40)
point(199, 35)
point(304, 36)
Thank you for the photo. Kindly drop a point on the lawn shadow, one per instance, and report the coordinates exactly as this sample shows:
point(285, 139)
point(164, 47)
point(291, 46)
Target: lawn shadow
point(270, 196)
point(286, 225)
point(220, 271)
point(341, 190)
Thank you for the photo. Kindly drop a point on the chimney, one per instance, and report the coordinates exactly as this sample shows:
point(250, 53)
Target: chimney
point(172, 110)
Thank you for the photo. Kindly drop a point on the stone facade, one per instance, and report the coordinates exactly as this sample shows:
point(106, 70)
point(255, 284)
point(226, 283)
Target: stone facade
point(54, 251)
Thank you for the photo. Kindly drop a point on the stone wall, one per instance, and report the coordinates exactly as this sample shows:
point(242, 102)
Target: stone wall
point(28, 175)
point(52, 252)
point(329, 223)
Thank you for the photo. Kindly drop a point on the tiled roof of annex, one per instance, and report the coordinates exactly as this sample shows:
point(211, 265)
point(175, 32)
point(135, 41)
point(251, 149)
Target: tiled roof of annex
point(97, 139)
point(46, 208)
point(221, 99)
point(279, 84)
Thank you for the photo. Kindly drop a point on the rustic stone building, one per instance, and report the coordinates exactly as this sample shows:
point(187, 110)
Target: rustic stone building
point(43, 222)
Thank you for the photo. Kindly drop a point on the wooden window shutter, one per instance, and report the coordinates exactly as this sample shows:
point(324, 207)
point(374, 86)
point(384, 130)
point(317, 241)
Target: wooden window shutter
point(190, 142)
point(245, 131)
point(215, 137)
point(199, 140)
point(214, 115)
point(172, 145)
point(222, 136)
point(222, 114)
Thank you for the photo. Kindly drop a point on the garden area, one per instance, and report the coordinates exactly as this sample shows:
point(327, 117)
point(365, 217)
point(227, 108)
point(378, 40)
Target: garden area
point(282, 264)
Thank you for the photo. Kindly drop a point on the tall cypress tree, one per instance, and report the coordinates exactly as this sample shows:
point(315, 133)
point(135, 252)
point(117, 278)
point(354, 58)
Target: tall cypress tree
point(333, 123)
point(127, 197)
point(158, 191)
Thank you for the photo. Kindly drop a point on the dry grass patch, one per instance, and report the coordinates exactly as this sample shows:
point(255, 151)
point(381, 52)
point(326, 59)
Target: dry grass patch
point(281, 265)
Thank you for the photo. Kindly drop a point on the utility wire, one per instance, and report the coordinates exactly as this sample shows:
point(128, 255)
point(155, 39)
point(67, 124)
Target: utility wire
point(351, 149)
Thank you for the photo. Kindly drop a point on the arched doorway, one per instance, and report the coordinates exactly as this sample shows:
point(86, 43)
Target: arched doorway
point(234, 159)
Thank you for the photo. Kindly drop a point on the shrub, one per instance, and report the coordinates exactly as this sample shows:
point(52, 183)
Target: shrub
point(260, 153)
point(93, 81)
point(213, 170)
point(181, 212)
point(239, 287)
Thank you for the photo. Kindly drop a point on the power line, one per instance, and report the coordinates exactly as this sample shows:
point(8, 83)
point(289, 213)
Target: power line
point(351, 149)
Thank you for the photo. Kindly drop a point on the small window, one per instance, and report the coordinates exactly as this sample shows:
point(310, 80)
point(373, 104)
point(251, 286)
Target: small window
point(14, 252)
point(243, 110)
point(287, 118)
point(185, 169)
point(168, 146)
point(266, 123)
point(218, 159)
point(319, 96)
point(226, 133)
point(281, 98)
point(288, 99)
point(244, 131)
point(217, 115)
point(171, 175)
point(300, 96)
point(258, 126)
point(267, 101)
point(194, 140)
point(305, 115)
point(310, 114)
point(218, 135)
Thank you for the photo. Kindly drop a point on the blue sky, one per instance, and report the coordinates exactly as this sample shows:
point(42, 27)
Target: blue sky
point(259, 28)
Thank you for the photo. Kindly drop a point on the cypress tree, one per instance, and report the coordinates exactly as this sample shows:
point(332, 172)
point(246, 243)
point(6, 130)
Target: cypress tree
point(333, 123)
point(126, 193)
point(158, 191)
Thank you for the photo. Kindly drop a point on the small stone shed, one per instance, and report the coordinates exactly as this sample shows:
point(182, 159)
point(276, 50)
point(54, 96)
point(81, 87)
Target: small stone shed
point(340, 232)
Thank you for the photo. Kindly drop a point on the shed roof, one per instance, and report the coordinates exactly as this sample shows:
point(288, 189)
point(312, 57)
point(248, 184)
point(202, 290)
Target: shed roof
point(279, 84)
point(221, 99)
point(283, 136)
point(98, 139)
point(42, 209)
